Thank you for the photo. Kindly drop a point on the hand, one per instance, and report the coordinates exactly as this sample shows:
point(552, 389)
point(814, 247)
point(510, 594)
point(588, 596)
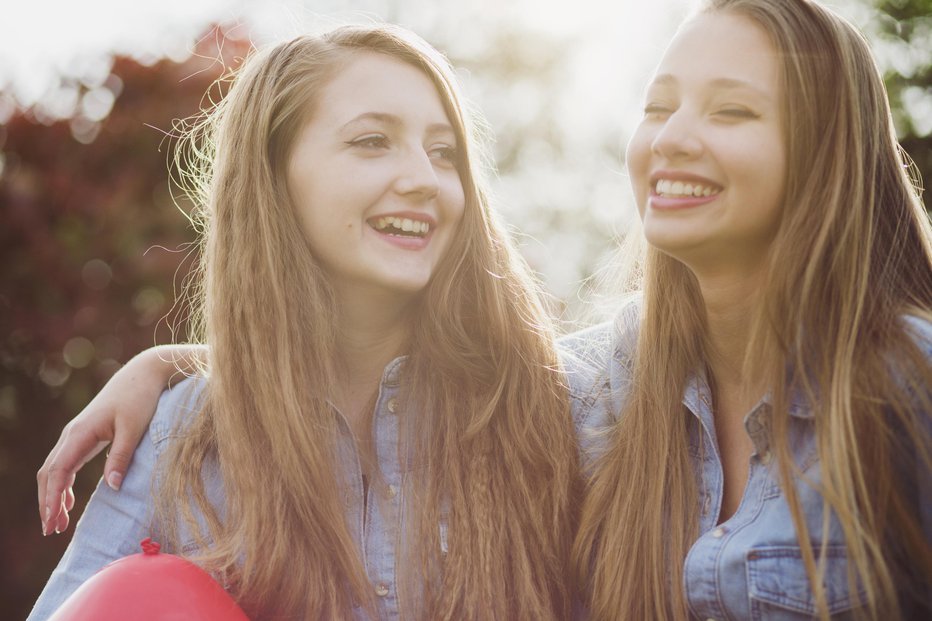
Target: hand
point(120, 414)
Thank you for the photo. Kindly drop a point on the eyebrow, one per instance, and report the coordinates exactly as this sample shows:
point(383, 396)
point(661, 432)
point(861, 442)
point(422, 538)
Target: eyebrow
point(666, 79)
point(395, 121)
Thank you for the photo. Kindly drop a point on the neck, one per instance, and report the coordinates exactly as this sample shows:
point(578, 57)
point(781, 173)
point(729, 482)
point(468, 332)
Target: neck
point(731, 301)
point(374, 329)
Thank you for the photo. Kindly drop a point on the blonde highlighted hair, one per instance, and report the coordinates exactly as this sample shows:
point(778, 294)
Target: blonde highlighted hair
point(486, 433)
point(852, 257)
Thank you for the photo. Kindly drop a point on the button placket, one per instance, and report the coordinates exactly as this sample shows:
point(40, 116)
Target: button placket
point(386, 510)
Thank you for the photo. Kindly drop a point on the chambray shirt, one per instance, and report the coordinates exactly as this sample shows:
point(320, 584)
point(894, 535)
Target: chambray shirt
point(114, 523)
point(749, 566)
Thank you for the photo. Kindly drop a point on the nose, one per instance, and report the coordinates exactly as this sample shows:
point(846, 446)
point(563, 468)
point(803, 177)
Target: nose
point(677, 137)
point(416, 175)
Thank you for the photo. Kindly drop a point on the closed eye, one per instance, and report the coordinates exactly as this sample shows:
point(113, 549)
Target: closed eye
point(654, 110)
point(737, 113)
point(445, 153)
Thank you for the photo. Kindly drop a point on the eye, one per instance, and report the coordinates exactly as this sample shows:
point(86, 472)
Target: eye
point(736, 113)
point(444, 153)
point(369, 141)
point(657, 111)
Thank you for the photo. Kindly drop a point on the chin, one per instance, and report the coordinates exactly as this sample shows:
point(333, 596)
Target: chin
point(409, 287)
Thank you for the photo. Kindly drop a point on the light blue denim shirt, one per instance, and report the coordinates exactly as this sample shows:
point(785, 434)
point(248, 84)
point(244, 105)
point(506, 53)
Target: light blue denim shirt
point(749, 566)
point(114, 523)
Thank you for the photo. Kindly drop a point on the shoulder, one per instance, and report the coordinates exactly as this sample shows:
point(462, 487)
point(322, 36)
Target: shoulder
point(585, 355)
point(177, 408)
point(598, 362)
point(596, 347)
point(602, 345)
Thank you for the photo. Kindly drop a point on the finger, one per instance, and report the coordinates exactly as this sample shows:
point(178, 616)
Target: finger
point(125, 441)
point(59, 508)
point(69, 497)
point(58, 514)
point(42, 484)
point(78, 448)
point(60, 523)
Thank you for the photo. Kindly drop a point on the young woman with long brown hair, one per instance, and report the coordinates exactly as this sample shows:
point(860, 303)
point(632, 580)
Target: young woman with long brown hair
point(380, 428)
point(771, 459)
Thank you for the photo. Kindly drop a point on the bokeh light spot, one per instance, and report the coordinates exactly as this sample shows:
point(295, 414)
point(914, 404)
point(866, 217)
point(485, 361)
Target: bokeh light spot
point(148, 303)
point(96, 274)
point(97, 103)
point(54, 372)
point(78, 352)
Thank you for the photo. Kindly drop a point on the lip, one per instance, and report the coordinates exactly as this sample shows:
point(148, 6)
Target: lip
point(405, 243)
point(666, 203)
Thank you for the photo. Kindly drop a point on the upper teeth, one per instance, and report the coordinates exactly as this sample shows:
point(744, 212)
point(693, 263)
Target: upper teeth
point(407, 225)
point(665, 187)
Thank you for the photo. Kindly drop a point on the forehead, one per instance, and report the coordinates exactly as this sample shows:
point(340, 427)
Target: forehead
point(370, 81)
point(722, 46)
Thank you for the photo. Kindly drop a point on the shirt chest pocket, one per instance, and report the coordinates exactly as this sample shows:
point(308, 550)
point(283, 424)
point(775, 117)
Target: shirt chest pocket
point(779, 590)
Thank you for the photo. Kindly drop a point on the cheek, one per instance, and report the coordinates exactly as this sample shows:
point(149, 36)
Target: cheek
point(770, 168)
point(454, 198)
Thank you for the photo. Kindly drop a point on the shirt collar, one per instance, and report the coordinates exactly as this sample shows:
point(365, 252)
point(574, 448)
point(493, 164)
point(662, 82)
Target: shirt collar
point(698, 398)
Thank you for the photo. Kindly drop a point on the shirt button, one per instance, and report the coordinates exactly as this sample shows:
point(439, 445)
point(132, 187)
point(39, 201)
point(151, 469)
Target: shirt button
point(392, 405)
point(718, 533)
point(392, 491)
point(381, 589)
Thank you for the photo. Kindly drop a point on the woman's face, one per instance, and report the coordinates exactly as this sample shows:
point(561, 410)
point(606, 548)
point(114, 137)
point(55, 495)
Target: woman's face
point(708, 160)
point(373, 177)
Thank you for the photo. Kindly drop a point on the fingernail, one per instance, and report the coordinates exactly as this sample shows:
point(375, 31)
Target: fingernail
point(115, 480)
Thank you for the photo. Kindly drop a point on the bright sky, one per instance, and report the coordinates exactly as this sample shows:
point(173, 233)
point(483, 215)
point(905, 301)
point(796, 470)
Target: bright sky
point(40, 37)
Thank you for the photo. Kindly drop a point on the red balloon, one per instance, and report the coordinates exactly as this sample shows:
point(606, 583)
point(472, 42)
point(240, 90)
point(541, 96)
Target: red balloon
point(150, 587)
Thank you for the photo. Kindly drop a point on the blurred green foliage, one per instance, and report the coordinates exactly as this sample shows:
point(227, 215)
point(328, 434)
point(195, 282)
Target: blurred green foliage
point(902, 32)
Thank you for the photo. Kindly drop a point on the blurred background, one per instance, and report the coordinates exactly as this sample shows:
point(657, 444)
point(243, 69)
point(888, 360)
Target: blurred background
point(93, 248)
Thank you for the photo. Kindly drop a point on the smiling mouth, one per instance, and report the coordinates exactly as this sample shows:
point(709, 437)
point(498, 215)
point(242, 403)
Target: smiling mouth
point(400, 227)
point(680, 189)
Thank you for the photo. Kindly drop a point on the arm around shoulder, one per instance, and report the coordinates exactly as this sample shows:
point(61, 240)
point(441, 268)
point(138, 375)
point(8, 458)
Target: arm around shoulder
point(120, 414)
point(114, 522)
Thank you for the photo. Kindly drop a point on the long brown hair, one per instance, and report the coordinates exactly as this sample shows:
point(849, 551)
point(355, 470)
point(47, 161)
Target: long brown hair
point(487, 435)
point(851, 258)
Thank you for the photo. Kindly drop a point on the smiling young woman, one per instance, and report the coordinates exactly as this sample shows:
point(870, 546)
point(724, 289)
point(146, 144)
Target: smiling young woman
point(771, 456)
point(380, 428)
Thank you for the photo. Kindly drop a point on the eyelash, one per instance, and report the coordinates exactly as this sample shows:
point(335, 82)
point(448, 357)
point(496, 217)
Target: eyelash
point(655, 109)
point(738, 113)
point(372, 141)
point(377, 141)
point(447, 153)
